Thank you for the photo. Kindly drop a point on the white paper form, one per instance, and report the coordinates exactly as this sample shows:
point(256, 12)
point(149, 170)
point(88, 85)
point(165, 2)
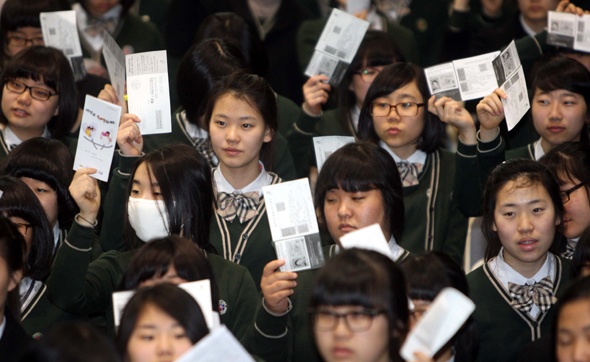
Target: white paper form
point(148, 91)
point(337, 46)
point(115, 61)
point(325, 146)
point(199, 290)
point(97, 137)
point(217, 346)
point(445, 316)
point(293, 225)
point(569, 30)
point(463, 79)
point(60, 31)
point(370, 238)
point(511, 78)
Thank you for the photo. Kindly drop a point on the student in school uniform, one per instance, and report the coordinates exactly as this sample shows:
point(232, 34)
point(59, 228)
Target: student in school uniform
point(559, 109)
point(570, 163)
point(46, 166)
point(572, 320)
point(394, 117)
point(359, 309)
point(38, 98)
point(13, 338)
point(242, 121)
point(522, 277)
point(358, 186)
point(201, 68)
point(376, 51)
point(22, 207)
point(131, 32)
point(149, 197)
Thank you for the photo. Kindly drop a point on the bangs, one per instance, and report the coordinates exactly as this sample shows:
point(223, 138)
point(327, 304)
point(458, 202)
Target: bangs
point(350, 174)
point(34, 66)
point(563, 167)
point(22, 21)
point(362, 286)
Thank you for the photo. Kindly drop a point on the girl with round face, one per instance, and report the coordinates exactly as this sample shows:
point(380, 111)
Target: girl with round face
point(522, 211)
point(160, 323)
point(394, 117)
point(359, 309)
point(38, 96)
point(569, 162)
point(570, 329)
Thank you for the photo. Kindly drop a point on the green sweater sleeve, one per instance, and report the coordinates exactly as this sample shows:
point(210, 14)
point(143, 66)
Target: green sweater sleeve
point(300, 138)
point(467, 181)
point(270, 337)
point(75, 284)
point(111, 233)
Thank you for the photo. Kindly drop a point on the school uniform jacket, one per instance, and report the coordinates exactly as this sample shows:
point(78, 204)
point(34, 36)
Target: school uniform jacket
point(503, 329)
point(82, 287)
point(249, 244)
point(289, 337)
point(282, 160)
point(432, 219)
point(14, 341)
point(71, 144)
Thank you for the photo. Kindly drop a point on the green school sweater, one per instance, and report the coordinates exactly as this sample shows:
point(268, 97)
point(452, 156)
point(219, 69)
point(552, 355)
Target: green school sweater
point(90, 285)
point(290, 337)
point(432, 219)
point(70, 142)
point(282, 161)
point(503, 329)
point(249, 244)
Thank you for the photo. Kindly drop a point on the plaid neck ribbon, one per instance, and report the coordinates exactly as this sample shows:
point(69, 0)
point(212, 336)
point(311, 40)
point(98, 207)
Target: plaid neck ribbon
point(569, 251)
point(409, 172)
point(540, 293)
point(242, 205)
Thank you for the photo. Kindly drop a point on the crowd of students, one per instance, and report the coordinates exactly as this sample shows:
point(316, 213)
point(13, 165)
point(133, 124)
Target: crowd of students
point(189, 205)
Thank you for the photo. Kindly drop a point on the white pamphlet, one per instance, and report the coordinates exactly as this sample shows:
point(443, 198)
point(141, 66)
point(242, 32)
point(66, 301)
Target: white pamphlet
point(293, 225)
point(115, 61)
point(445, 316)
point(337, 46)
point(325, 146)
point(217, 346)
point(148, 91)
point(199, 290)
point(511, 78)
point(463, 79)
point(60, 31)
point(98, 137)
point(569, 30)
point(370, 238)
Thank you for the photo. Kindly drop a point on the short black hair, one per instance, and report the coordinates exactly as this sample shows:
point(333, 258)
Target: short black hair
point(368, 279)
point(155, 257)
point(14, 252)
point(49, 161)
point(20, 201)
point(525, 173)
point(171, 300)
point(389, 80)
point(48, 65)
point(364, 166)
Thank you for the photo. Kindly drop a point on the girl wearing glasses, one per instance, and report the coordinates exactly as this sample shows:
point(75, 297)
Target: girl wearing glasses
point(559, 111)
point(570, 163)
point(359, 308)
point(38, 98)
point(522, 277)
point(393, 116)
point(376, 51)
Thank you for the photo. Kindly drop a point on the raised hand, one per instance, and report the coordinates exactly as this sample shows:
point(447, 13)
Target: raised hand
point(129, 136)
point(490, 113)
point(315, 93)
point(277, 286)
point(451, 112)
point(85, 192)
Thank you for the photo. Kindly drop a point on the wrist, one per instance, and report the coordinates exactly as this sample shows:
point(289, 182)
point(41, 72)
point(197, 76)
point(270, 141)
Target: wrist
point(86, 219)
point(468, 136)
point(310, 112)
point(488, 134)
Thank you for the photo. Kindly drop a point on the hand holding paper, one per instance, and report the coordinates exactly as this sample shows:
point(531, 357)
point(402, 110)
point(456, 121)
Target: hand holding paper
point(447, 313)
point(129, 137)
point(315, 92)
point(277, 286)
point(453, 113)
point(490, 112)
point(85, 192)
